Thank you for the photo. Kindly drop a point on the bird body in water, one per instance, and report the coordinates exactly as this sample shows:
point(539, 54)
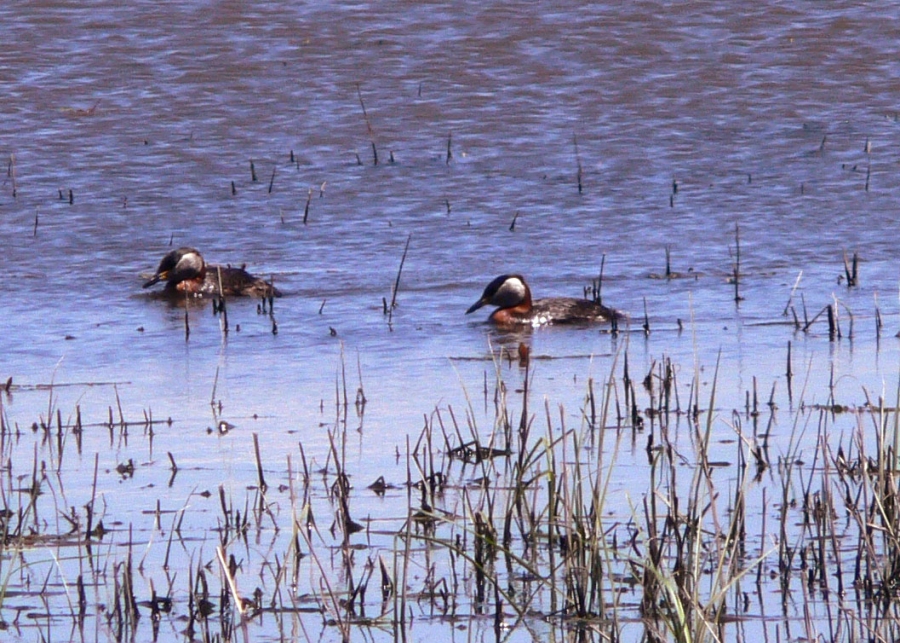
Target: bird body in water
point(185, 272)
point(515, 307)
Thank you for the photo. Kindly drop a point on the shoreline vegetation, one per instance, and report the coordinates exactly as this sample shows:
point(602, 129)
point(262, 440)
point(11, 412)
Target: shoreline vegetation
point(639, 522)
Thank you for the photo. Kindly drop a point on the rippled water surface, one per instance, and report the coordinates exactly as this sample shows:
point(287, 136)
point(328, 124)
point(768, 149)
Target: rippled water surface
point(239, 128)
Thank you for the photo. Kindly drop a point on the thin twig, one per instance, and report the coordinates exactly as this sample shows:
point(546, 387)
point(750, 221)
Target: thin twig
point(399, 272)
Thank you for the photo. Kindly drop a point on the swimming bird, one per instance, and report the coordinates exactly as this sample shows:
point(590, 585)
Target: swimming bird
point(185, 271)
point(512, 296)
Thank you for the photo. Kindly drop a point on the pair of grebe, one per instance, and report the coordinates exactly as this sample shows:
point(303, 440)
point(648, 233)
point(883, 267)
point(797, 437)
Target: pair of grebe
point(185, 272)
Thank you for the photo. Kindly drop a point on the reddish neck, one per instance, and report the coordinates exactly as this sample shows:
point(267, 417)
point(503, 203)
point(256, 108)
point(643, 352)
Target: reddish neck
point(512, 314)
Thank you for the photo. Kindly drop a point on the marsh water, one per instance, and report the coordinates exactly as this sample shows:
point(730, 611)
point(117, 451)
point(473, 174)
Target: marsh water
point(552, 141)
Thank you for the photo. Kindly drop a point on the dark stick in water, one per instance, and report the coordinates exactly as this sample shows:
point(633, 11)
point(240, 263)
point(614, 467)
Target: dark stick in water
point(877, 318)
point(598, 291)
point(646, 319)
point(368, 124)
point(737, 263)
point(222, 308)
point(849, 273)
point(832, 325)
point(399, 271)
point(11, 173)
point(578, 162)
point(259, 467)
point(306, 209)
point(790, 372)
point(187, 326)
point(212, 398)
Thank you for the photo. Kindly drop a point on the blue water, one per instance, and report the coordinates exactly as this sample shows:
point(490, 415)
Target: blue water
point(149, 114)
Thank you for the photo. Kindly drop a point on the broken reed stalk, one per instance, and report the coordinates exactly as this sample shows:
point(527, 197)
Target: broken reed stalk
point(837, 303)
point(399, 272)
point(791, 296)
point(220, 306)
point(11, 173)
point(259, 467)
point(229, 580)
point(306, 209)
point(328, 598)
point(878, 323)
point(789, 373)
point(449, 150)
point(360, 394)
point(122, 422)
point(737, 263)
point(272, 180)
point(646, 325)
point(212, 399)
point(832, 322)
point(597, 295)
point(187, 325)
point(577, 162)
point(812, 321)
point(368, 124)
point(252, 171)
point(851, 271)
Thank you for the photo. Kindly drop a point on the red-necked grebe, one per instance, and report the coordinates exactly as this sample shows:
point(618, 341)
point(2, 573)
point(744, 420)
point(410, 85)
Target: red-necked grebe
point(515, 307)
point(185, 271)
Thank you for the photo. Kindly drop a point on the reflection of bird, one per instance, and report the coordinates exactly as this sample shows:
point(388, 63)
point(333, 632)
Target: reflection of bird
point(184, 271)
point(515, 306)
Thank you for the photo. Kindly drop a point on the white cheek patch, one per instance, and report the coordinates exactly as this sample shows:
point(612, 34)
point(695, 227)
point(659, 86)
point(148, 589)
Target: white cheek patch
point(191, 261)
point(512, 290)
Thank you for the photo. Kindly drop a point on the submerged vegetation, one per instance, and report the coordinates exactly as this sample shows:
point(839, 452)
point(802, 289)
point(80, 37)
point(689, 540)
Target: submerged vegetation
point(637, 523)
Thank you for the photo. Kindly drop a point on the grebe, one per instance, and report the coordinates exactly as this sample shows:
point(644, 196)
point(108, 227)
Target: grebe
point(515, 307)
point(185, 271)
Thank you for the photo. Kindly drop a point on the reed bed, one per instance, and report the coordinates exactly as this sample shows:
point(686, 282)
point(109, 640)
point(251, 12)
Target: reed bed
point(657, 515)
